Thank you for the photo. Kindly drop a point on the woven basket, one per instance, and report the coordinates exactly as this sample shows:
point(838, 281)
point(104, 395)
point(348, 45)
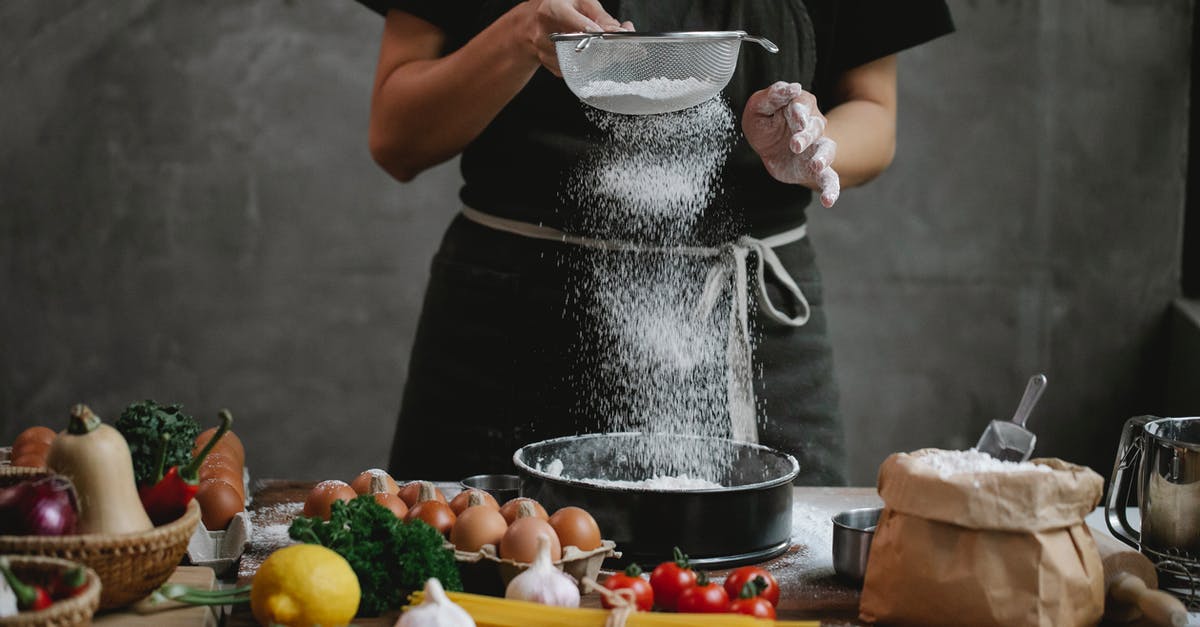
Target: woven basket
point(131, 565)
point(76, 610)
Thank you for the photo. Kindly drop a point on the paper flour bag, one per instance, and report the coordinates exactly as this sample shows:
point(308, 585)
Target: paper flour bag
point(968, 540)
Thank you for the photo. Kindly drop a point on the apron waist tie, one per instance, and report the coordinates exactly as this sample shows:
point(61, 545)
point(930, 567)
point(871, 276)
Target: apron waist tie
point(734, 256)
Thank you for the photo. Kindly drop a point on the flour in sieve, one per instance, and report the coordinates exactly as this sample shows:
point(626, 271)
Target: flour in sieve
point(650, 89)
point(950, 463)
point(672, 483)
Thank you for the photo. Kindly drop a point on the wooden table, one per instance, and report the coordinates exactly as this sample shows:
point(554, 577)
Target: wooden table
point(179, 616)
point(809, 589)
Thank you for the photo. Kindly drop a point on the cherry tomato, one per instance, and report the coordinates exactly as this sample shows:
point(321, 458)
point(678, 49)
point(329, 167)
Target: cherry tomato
point(669, 579)
point(706, 597)
point(631, 579)
point(757, 607)
point(741, 576)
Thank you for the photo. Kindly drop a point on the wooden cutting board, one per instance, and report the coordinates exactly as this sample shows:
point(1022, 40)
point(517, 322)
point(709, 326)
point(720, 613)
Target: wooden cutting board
point(183, 616)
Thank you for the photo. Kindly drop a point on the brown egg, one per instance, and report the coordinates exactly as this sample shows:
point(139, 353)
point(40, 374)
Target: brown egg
point(221, 466)
point(219, 502)
point(321, 497)
point(362, 483)
point(575, 527)
point(436, 514)
point(392, 502)
point(511, 509)
point(411, 491)
point(43, 435)
point(470, 498)
point(478, 526)
point(230, 440)
point(519, 543)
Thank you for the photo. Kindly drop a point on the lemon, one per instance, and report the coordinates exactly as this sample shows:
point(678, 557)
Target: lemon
point(304, 585)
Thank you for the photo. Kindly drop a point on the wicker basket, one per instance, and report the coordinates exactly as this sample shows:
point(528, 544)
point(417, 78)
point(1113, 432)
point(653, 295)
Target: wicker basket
point(130, 565)
point(76, 610)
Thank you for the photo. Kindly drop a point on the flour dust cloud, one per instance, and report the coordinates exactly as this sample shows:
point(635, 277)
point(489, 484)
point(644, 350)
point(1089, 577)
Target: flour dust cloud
point(659, 357)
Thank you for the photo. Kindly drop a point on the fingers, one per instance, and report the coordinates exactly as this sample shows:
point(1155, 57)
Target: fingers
point(830, 186)
point(593, 10)
point(821, 155)
point(769, 101)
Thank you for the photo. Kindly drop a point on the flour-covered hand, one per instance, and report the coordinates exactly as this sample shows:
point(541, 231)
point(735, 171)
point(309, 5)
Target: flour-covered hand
point(787, 130)
point(547, 17)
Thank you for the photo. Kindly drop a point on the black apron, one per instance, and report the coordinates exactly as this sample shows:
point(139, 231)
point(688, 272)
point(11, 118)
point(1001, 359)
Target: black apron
point(496, 363)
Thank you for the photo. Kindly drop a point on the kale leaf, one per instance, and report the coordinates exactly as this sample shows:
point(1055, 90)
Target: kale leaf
point(143, 424)
point(390, 557)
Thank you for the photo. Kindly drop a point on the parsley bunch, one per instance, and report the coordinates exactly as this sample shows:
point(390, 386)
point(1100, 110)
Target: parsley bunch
point(143, 424)
point(390, 557)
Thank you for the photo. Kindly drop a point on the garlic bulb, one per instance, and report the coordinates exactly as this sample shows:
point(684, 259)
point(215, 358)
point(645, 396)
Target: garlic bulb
point(542, 582)
point(436, 610)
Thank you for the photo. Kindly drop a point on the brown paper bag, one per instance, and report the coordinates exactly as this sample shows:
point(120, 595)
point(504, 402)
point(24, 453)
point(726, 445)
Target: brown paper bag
point(989, 548)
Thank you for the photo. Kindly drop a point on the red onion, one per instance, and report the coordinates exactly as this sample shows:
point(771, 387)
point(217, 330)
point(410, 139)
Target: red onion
point(43, 507)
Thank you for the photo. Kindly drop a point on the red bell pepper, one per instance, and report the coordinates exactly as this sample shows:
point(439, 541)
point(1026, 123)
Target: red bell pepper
point(168, 498)
point(29, 597)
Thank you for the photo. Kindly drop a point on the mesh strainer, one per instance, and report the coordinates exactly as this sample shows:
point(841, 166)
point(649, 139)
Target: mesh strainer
point(643, 73)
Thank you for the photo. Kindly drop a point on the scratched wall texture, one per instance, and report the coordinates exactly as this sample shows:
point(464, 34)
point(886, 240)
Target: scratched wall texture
point(188, 212)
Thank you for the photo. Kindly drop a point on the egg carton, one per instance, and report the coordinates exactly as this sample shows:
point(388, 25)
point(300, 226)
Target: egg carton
point(220, 549)
point(485, 572)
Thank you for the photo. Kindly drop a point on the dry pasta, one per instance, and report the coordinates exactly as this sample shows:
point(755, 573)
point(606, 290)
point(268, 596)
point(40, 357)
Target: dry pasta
point(496, 612)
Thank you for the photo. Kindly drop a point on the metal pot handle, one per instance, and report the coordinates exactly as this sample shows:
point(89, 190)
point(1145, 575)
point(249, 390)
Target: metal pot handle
point(1124, 470)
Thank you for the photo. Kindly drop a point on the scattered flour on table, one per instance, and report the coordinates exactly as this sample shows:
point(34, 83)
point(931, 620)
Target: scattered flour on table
point(949, 463)
point(269, 533)
point(812, 530)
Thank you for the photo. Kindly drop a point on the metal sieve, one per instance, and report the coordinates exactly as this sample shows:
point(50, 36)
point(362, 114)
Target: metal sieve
point(644, 73)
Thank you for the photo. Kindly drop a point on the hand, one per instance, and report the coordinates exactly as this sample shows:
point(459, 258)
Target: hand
point(565, 16)
point(784, 126)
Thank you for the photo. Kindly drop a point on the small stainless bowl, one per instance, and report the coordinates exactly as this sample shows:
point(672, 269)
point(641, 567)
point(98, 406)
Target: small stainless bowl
point(852, 533)
point(502, 487)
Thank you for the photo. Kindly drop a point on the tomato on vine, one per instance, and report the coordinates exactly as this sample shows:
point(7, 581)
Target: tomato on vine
point(741, 576)
point(706, 597)
point(669, 579)
point(750, 600)
point(631, 580)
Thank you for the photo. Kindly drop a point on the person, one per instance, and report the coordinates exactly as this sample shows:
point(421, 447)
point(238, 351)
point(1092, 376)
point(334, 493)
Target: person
point(494, 358)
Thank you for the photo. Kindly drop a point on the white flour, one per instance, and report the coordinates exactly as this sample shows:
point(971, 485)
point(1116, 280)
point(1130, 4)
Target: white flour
point(651, 95)
point(658, 362)
point(269, 533)
point(650, 89)
point(681, 483)
point(950, 463)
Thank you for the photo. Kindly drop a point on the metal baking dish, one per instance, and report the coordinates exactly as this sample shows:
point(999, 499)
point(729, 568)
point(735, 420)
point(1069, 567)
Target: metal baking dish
point(747, 521)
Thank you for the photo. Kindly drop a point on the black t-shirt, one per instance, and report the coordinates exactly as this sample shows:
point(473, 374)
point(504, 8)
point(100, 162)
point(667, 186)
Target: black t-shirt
point(518, 165)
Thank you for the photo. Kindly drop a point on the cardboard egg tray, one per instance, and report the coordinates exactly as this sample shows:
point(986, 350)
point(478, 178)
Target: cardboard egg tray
point(220, 549)
point(485, 572)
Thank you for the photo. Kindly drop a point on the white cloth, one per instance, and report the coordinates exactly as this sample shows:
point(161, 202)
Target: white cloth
point(735, 256)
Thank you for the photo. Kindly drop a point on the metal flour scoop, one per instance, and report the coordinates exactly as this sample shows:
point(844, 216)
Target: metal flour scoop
point(1009, 440)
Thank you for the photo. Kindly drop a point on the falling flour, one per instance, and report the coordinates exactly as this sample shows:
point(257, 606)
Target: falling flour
point(658, 359)
point(949, 463)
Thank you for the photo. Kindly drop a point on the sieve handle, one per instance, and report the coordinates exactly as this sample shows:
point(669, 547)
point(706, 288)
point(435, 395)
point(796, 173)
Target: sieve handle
point(762, 41)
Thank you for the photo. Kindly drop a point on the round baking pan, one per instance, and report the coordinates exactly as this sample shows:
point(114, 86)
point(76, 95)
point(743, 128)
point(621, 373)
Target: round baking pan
point(747, 520)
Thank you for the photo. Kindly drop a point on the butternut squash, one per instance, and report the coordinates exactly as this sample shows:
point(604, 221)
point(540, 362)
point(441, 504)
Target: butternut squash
point(95, 457)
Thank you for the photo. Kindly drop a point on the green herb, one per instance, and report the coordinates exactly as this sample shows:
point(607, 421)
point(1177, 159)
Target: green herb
point(390, 557)
point(143, 425)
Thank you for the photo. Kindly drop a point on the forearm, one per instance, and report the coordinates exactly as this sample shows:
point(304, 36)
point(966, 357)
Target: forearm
point(865, 133)
point(425, 111)
point(862, 120)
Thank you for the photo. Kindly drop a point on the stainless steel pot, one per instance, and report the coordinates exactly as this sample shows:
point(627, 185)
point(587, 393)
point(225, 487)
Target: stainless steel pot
point(1163, 455)
point(748, 520)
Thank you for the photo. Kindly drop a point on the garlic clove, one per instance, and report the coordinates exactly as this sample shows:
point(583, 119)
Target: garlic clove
point(542, 582)
point(435, 610)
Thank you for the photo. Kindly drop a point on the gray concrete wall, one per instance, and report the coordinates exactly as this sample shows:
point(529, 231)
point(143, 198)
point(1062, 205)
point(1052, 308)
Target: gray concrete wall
point(188, 212)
